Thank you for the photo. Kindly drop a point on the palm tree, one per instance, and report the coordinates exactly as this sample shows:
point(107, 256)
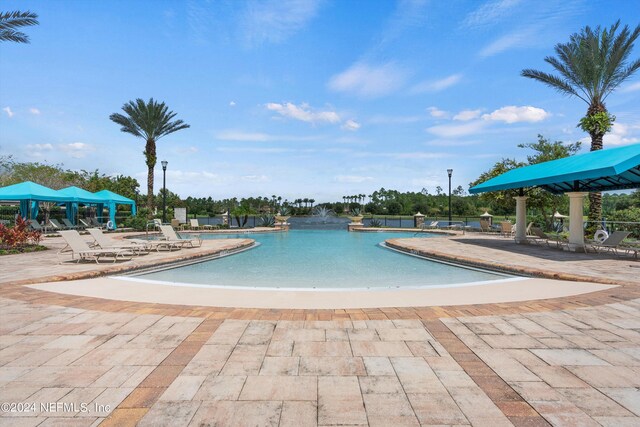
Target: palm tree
point(150, 121)
point(312, 201)
point(11, 20)
point(591, 66)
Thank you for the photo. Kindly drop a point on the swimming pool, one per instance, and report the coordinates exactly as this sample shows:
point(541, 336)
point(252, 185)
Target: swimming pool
point(320, 259)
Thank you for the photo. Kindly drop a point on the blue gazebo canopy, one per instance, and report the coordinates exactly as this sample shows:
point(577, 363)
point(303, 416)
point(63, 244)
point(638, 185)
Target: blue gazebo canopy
point(601, 170)
point(30, 191)
point(80, 195)
point(29, 194)
point(112, 199)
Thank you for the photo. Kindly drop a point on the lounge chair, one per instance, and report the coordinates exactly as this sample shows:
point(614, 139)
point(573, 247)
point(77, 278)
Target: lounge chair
point(95, 223)
point(84, 223)
point(528, 232)
point(170, 235)
point(69, 225)
point(194, 224)
point(506, 229)
point(35, 225)
point(485, 227)
point(612, 243)
point(539, 236)
point(56, 225)
point(81, 249)
point(431, 225)
point(105, 242)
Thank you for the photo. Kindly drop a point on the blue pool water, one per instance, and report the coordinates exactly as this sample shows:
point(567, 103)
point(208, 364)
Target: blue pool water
point(320, 259)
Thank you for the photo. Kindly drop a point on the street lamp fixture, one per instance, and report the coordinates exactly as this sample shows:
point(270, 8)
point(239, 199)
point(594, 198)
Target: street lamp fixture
point(449, 172)
point(164, 191)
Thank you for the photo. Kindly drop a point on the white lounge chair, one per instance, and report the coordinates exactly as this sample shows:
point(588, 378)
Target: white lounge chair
point(79, 247)
point(194, 224)
point(170, 235)
point(106, 242)
point(610, 244)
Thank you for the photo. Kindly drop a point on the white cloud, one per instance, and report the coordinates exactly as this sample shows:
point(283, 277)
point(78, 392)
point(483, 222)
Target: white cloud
point(437, 113)
point(436, 85)
point(419, 155)
point(276, 20)
point(515, 39)
point(8, 111)
point(233, 135)
point(190, 177)
point(466, 115)
point(232, 104)
point(303, 113)
point(351, 125)
point(620, 135)
point(384, 119)
point(40, 147)
point(353, 179)
point(77, 150)
point(632, 87)
point(489, 13)
point(513, 114)
point(453, 131)
point(255, 178)
point(369, 80)
point(34, 111)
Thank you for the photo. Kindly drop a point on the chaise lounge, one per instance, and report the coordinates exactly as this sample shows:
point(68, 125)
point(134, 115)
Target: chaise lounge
point(80, 249)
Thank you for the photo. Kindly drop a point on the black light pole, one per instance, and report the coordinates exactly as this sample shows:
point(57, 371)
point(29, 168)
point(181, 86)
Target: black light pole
point(449, 172)
point(164, 191)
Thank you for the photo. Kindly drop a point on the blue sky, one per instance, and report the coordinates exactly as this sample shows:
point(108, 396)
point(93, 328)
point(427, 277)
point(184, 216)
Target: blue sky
point(317, 98)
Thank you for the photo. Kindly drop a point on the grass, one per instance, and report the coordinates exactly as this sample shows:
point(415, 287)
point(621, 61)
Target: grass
point(22, 249)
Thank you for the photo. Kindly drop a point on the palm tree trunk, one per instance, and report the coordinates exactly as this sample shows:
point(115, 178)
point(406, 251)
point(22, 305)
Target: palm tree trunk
point(595, 199)
point(150, 154)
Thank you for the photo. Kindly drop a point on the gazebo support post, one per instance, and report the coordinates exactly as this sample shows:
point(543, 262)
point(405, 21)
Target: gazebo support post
point(576, 229)
point(521, 218)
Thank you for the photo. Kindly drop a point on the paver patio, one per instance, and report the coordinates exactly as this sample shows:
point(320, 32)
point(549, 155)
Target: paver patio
point(559, 362)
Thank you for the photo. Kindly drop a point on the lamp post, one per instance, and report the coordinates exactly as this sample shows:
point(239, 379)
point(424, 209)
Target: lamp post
point(164, 191)
point(449, 172)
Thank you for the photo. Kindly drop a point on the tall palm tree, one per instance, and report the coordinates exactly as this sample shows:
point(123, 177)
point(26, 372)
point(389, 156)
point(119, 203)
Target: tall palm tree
point(150, 121)
point(9, 21)
point(591, 66)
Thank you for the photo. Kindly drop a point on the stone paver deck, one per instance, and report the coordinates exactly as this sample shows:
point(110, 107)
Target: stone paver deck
point(574, 361)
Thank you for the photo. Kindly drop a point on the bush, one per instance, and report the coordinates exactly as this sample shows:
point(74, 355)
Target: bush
point(375, 223)
point(19, 235)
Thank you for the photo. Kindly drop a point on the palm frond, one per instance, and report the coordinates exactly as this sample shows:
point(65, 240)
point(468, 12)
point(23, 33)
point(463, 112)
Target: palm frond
point(9, 21)
point(553, 81)
point(13, 36)
point(592, 64)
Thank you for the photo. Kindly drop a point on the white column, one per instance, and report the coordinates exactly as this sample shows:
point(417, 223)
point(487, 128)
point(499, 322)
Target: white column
point(521, 219)
point(576, 230)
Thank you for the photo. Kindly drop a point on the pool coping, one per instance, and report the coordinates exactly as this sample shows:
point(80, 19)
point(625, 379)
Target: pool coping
point(500, 267)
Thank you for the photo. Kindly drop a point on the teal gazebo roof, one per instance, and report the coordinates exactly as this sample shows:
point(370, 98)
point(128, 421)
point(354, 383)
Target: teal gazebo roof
point(76, 194)
point(601, 170)
point(30, 191)
point(110, 196)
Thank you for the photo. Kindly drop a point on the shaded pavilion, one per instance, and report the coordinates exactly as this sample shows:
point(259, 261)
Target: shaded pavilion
point(75, 196)
point(112, 199)
point(595, 171)
point(28, 194)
